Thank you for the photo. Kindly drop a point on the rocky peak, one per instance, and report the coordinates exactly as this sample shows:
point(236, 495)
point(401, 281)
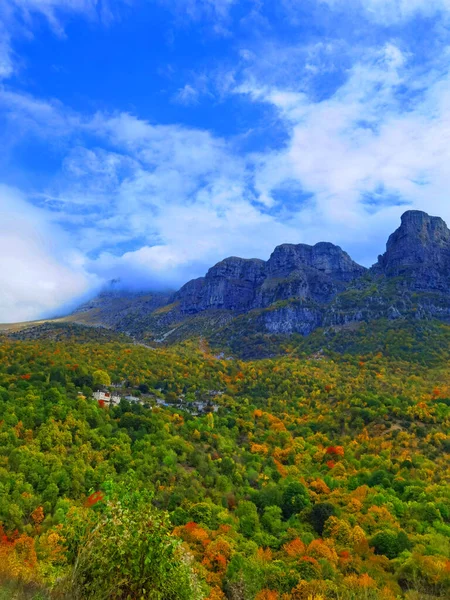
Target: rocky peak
point(293, 271)
point(421, 243)
point(248, 269)
point(324, 257)
point(230, 284)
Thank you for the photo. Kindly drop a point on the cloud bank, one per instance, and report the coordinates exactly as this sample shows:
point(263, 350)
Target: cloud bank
point(37, 272)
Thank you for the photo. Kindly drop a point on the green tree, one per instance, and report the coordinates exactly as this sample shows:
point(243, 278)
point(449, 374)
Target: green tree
point(390, 543)
point(201, 513)
point(248, 518)
point(271, 519)
point(295, 498)
point(320, 512)
point(101, 378)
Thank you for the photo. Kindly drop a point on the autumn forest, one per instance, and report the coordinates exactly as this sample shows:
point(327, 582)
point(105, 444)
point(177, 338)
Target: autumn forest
point(304, 478)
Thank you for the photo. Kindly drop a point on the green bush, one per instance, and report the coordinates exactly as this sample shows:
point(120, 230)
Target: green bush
point(127, 551)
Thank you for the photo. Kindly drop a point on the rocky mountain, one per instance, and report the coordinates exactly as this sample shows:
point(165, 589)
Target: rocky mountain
point(293, 271)
point(299, 289)
point(419, 250)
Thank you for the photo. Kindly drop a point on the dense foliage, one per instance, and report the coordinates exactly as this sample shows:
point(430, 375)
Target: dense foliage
point(422, 341)
point(320, 477)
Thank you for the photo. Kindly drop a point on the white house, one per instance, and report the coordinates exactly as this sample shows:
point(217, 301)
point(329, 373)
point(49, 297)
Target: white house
point(106, 397)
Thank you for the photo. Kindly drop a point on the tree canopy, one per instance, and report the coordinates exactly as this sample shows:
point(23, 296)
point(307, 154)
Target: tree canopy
point(316, 477)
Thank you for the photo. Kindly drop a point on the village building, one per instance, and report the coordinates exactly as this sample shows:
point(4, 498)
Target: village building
point(132, 399)
point(106, 396)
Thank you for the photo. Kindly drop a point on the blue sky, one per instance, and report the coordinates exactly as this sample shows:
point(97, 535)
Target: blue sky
point(148, 139)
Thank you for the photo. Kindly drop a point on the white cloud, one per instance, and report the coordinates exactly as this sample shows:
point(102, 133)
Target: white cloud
point(386, 11)
point(17, 18)
point(181, 193)
point(52, 10)
point(363, 145)
point(193, 238)
point(37, 273)
point(6, 60)
point(34, 116)
point(187, 95)
point(218, 10)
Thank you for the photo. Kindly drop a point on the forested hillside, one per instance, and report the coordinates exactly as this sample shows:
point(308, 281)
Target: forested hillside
point(305, 477)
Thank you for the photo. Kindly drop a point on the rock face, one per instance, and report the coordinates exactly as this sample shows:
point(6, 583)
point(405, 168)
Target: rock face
point(301, 287)
point(420, 250)
point(292, 319)
point(325, 258)
point(228, 285)
point(293, 271)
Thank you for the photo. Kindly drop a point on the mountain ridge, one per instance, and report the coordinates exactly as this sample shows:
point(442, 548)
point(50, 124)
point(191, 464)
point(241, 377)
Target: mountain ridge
point(316, 272)
point(303, 287)
point(321, 285)
point(299, 289)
